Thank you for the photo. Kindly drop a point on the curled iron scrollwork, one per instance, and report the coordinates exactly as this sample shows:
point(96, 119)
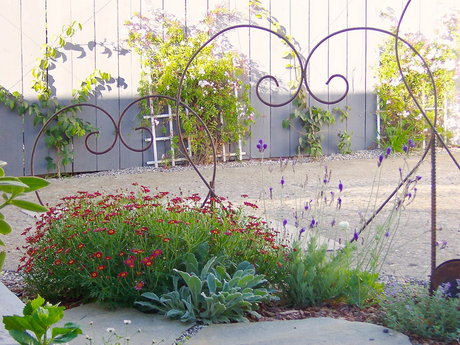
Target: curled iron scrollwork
point(303, 65)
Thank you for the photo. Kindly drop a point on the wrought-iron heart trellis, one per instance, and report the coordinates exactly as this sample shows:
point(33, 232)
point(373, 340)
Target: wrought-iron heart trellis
point(303, 82)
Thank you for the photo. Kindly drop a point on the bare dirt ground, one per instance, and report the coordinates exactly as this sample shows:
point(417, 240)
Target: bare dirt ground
point(410, 259)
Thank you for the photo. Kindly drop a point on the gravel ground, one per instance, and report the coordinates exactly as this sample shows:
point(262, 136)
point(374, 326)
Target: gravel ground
point(411, 260)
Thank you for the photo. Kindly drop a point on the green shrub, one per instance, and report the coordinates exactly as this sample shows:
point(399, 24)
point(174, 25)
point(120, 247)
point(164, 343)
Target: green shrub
point(111, 248)
point(411, 309)
point(211, 295)
point(315, 276)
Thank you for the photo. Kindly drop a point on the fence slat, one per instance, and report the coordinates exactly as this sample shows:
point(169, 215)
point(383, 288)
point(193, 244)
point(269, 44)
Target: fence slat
point(11, 141)
point(83, 52)
point(99, 45)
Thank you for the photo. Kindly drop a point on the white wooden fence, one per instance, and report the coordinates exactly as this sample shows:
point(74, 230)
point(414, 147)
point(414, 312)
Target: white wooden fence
point(27, 24)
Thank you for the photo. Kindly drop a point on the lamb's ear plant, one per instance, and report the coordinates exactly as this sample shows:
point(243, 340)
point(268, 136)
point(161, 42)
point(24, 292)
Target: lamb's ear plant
point(12, 187)
point(212, 295)
point(38, 317)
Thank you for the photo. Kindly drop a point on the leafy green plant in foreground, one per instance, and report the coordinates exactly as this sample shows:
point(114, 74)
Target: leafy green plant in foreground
point(11, 188)
point(211, 295)
point(38, 317)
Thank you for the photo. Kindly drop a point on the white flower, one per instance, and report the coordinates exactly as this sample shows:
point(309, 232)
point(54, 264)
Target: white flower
point(203, 83)
point(110, 330)
point(127, 322)
point(201, 72)
point(344, 225)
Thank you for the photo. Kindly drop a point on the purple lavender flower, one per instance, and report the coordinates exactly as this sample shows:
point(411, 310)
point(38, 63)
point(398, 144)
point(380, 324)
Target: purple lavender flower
point(443, 244)
point(387, 234)
point(312, 224)
point(355, 236)
point(339, 202)
point(282, 182)
point(411, 143)
point(388, 151)
point(261, 146)
point(284, 222)
point(340, 186)
point(333, 222)
point(271, 192)
point(380, 160)
point(306, 207)
point(301, 232)
point(405, 148)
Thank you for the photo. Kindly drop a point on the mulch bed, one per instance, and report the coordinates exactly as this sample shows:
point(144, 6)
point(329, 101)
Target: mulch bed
point(341, 311)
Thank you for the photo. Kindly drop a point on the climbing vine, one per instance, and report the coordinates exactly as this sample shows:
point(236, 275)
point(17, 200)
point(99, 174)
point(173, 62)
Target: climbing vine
point(67, 125)
point(401, 119)
point(312, 118)
point(214, 84)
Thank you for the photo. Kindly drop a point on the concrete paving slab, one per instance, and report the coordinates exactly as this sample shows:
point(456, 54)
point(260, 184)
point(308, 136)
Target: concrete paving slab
point(308, 331)
point(152, 326)
point(10, 305)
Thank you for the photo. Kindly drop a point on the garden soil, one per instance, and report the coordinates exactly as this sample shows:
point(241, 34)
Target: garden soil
point(409, 258)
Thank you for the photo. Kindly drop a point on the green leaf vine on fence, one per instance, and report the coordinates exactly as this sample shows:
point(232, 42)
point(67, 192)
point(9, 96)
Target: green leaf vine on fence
point(214, 85)
point(67, 125)
point(311, 117)
point(399, 115)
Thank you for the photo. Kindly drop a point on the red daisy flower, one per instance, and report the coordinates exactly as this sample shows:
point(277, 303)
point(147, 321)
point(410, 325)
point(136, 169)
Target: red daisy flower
point(166, 239)
point(94, 275)
point(139, 285)
point(121, 254)
point(71, 262)
point(147, 261)
point(111, 232)
point(81, 245)
point(215, 231)
point(156, 253)
point(101, 267)
point(98, 255)
point(122, 274)
point(108, 258)
point(57, 262)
